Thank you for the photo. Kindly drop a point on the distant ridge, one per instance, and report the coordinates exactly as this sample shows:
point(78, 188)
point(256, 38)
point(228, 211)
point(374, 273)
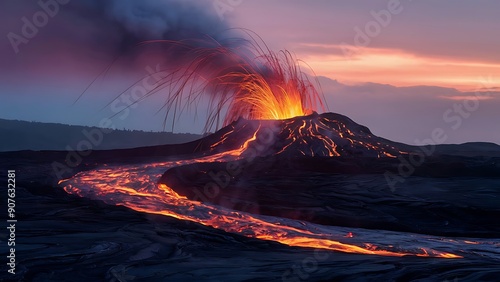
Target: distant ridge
point(19, 135)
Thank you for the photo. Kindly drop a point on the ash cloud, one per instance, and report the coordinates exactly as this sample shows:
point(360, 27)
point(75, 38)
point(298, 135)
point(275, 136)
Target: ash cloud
point(171, 19)
point(110, 28)
point(138, 21)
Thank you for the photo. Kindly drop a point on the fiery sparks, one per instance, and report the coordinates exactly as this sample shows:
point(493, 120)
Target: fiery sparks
point(240, 81)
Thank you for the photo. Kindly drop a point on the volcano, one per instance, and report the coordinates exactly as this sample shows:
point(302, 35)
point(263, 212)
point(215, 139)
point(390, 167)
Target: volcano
point(325, 135)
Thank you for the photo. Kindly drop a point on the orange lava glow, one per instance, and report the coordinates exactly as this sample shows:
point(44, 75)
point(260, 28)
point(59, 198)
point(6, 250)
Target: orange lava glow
point(155, 202)
point(283, 92)
point(268, 101)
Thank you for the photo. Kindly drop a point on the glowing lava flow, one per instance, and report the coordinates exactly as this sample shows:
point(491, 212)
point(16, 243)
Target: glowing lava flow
point(135, 186)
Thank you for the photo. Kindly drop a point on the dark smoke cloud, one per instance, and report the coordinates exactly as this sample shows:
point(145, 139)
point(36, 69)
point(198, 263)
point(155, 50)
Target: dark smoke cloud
point(137, 21)
point(111, 28)
point(170, 19)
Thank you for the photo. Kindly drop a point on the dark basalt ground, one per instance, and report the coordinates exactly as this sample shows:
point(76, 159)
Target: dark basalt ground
point(60, 237)
point(450, 196)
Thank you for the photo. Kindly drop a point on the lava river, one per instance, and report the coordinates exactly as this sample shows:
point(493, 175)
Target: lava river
point(136, 187)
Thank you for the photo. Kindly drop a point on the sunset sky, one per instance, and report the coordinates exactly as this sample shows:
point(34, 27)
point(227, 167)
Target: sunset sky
point(398, 67)
point(443, 43)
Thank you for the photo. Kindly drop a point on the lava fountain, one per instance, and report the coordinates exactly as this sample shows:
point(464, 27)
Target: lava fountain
point(263, 96)
point(241, 80)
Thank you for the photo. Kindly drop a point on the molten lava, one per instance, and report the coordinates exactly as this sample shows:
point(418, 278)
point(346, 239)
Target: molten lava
point(135, 187)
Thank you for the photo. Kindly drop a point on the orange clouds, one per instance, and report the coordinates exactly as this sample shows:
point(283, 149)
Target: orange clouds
point(397, 67)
